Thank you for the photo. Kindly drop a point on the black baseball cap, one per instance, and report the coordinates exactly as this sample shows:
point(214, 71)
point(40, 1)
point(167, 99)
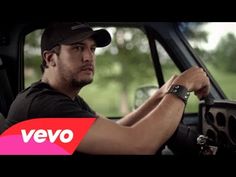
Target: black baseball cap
point(71, 32)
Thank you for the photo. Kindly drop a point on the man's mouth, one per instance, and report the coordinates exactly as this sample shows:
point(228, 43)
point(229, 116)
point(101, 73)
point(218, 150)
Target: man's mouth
point(88, 68)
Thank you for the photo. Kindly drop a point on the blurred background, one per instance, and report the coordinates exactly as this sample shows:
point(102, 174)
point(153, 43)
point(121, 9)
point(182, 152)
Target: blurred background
point(126, 64)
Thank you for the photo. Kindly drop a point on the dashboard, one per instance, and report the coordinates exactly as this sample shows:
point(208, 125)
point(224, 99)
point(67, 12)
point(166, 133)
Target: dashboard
point(218, 125)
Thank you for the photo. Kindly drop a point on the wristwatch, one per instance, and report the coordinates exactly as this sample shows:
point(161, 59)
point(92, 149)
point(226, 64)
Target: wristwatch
point(180, 91)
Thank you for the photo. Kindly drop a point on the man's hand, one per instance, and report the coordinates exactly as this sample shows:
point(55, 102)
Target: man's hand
point(195, 79)
point(164, 89)
point(202, 93)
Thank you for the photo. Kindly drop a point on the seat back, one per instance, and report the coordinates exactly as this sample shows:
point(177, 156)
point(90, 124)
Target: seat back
point(6, 94)
point(2, 123)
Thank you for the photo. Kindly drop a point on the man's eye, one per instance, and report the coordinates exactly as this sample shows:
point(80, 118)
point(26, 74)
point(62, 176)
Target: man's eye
point(93, 49)
point(79, 48)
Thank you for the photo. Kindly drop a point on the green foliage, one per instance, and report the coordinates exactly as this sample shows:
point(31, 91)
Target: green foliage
point(224, 56)
point(33, 39)
point(124, 65)
point(128, 64)
point(225, 80)
point(32, 57)
point(103, 99)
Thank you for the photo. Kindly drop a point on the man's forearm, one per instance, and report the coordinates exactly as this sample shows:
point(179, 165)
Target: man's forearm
point(142, 111)
point(160, 123)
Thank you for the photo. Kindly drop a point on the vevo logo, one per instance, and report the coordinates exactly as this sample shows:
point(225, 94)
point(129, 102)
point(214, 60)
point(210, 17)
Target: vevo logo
point(40, 136)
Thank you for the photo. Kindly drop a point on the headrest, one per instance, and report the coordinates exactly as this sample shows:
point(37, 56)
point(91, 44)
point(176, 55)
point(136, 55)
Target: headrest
point(1, 61)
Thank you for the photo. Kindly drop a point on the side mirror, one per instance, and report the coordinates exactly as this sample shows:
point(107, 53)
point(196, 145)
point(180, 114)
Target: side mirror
point(142, 94)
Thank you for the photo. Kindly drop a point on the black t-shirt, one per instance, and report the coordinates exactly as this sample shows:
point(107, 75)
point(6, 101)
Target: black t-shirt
point(41, 101)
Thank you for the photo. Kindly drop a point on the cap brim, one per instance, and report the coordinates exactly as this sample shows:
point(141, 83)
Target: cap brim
point(101, 37)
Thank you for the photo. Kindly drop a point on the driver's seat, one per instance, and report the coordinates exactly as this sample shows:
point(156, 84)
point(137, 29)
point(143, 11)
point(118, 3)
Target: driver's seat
point(6, 95)
point(2, 119)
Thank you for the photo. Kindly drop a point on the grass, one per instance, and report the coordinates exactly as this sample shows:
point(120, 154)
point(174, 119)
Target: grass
point(226, 81)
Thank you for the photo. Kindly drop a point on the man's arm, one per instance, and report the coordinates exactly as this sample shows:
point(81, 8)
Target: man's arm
point(147, 106)
point(149, 133)
point(145, 137)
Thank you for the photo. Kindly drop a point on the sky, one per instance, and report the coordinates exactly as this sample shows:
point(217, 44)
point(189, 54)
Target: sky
point(216, 30)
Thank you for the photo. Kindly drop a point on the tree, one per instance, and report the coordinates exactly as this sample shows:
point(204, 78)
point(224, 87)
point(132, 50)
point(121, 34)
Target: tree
point(127, 58)
point(195, 35)
point(32, 57)
point(225, 54)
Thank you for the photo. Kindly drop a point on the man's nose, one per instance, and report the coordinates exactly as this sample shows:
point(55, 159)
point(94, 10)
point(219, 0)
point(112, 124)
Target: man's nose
point(88, 55)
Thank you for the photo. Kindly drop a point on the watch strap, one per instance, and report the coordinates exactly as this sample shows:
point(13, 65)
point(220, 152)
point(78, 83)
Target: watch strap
point(180, 91)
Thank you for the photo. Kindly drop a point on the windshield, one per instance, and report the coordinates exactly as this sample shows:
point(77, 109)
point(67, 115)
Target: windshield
point(215, 44)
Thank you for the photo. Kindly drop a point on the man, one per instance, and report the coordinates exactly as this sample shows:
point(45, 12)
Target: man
point(68, 53)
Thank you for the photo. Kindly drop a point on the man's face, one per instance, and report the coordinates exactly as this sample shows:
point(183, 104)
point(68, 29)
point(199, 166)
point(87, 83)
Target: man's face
point(76, 63)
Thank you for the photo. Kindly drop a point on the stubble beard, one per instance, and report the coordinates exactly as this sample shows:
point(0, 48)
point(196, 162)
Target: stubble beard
point(74, 82)
point(79, 84)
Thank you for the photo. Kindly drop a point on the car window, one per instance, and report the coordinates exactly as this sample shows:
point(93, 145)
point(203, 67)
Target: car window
point(32, 57)
point(169, 69)
point(121, 68)
point(215, 44)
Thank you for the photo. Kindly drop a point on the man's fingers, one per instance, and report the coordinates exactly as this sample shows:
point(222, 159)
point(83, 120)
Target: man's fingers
point(202, 92)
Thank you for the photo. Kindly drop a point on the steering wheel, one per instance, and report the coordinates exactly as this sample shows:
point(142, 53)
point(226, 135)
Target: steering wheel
point(184, 140)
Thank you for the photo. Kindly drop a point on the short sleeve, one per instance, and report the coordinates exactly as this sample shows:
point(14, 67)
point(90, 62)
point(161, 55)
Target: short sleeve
point(57, 105)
